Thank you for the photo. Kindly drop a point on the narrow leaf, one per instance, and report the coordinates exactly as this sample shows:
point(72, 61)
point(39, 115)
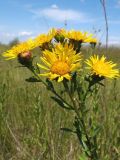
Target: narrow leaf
point(32, 79)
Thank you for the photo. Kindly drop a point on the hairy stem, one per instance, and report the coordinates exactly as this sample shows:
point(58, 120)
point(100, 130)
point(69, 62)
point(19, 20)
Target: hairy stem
point(93, 154)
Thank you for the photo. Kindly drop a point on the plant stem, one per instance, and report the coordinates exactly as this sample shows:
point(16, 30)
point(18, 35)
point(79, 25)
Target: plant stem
point(93, 154)
point(32, 69)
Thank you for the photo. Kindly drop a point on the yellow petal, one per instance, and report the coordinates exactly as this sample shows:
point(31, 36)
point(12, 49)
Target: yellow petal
point(45, 61)
point(43, 67)
point(60, 79)
point(67, 76)
point(44, 74)
point(53, 76)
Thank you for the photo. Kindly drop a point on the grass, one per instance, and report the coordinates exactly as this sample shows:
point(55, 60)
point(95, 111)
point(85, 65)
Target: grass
point(30, 121)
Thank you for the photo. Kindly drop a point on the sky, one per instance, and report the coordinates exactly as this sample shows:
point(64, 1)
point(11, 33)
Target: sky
point(26, 19)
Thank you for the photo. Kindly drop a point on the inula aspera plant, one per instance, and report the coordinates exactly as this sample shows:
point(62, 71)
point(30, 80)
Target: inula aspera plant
point(62, 63)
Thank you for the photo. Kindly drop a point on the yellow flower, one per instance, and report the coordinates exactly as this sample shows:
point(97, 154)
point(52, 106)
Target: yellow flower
point(79, 36)
point(19, 49)
point(101, 67)
point(89, 38)
point(44, 38)
point(74, 35)
point(61, 62)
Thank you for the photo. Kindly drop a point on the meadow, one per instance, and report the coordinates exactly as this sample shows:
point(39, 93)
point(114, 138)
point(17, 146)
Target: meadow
point(30, 121)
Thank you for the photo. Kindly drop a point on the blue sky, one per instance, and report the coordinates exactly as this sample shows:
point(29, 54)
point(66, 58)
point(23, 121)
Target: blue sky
point(27, 18)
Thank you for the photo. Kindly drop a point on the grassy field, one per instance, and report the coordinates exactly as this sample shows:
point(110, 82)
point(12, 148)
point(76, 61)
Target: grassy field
point(30, 121)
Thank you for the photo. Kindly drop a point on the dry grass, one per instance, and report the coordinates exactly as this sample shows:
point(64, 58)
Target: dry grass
point(30, 121)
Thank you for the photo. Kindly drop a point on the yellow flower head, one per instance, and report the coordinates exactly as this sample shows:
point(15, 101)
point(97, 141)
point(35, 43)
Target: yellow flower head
point(89, 38)
point(44, 38)
point(60, 62)
point(101, 67)
point(79, 36)
point(19, 49)
point(74, 35)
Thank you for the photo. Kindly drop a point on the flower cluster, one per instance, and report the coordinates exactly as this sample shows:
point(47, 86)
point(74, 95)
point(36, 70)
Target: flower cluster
point(61, 55)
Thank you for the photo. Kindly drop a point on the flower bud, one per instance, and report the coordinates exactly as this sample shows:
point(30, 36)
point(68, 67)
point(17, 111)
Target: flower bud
point(59, 37)
point(59, 30)
point(25, 58)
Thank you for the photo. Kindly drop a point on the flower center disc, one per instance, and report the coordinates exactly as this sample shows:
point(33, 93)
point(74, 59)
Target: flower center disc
point(60, 68)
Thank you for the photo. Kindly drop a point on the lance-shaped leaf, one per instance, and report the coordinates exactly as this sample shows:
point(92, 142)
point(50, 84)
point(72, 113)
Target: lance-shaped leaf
point(61, 103)
point(67, 130)
point(33, 79)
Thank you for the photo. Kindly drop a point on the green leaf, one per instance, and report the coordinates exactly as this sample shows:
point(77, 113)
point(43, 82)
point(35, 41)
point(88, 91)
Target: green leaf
point(97, 130)
point(61, 103)
point(50, 85)
point(101, 84)
point(67, 130)
point(32, 79)
point(83, 157)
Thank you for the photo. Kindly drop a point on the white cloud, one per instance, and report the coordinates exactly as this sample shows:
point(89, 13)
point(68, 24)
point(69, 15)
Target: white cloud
point(6, 37)
point(60, 15)
point(54, 6)
point(25, 33)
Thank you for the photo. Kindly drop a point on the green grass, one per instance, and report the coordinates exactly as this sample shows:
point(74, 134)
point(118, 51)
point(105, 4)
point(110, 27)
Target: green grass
point(30, 121)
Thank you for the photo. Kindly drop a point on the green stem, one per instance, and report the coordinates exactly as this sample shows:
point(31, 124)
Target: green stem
point(69, 93)
point(93, 155)
point(32, 69)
